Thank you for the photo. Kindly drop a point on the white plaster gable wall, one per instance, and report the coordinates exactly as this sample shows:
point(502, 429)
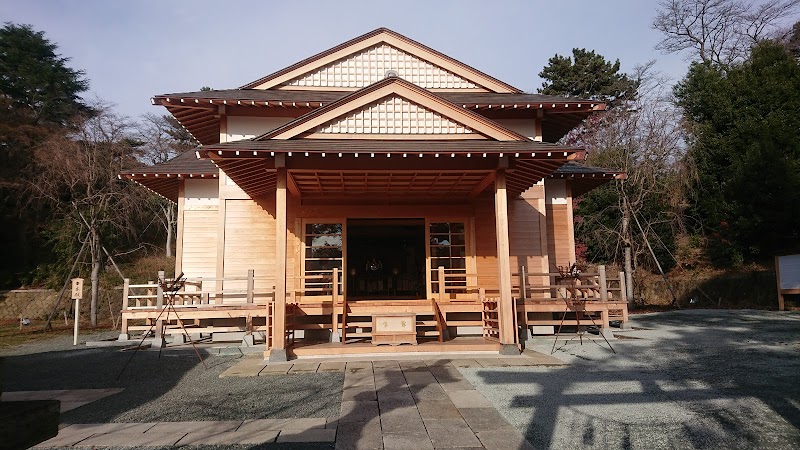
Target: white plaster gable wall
point(525, 127)
point(199, 193)
point(242, 127)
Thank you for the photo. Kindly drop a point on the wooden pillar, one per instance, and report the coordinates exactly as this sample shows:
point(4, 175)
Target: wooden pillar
point(507, 330)
point(251, 284)
point(601, 270)
point(158, 334)
point(278, 351)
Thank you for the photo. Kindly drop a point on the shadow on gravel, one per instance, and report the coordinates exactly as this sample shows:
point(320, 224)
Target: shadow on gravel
point(703, 380)
point(175, 387)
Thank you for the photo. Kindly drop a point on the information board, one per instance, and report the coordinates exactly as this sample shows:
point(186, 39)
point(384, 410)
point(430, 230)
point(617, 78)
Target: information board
point(787, 269)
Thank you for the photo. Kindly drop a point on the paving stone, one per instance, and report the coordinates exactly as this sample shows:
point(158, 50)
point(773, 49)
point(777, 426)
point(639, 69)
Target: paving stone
point(359, 393)
point(385, 364)
point(315, 435)
point(483, 419)
point(359, 436)
point(406, 441)
point(65, 439)
point(467, 363)
point(101, 428)
point(332, 366)
point(503, 439)
point(429, 392)
point(69, 398)
point(230, 437)
point(189, 427)
point(395, 399)
point(456, 386)
point(402, 420)
point(250, 367)
point(413, 365)
point(304, 367)
point(275, 369)
point(359, 367)
point(447, 374)
point(438, 410)
point(491, 362)
point(469, 399)
point(125, 439)
point(419, 378)
point(283, 424)
point(517, 361)
point(449, 433)
point(541, 359)
point(331, 422)
point(358, 411)
point(438, 362)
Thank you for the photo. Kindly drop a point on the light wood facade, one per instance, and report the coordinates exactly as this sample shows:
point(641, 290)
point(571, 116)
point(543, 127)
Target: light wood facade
point(367, 191)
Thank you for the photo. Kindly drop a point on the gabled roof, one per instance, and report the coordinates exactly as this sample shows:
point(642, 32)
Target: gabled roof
point(391, 88)
point(164, 179)
point(371, 39)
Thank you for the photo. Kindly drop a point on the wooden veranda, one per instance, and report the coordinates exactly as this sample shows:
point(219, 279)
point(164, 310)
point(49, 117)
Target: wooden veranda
point(332, 324)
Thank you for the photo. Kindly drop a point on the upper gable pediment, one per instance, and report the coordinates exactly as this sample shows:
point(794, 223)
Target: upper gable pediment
point(367, 59)
point(392, 108)
point(395, 115)
point(371, 65)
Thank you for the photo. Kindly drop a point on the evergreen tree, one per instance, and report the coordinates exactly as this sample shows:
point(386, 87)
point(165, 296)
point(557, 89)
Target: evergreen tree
point(587, 75)
point(746, 153)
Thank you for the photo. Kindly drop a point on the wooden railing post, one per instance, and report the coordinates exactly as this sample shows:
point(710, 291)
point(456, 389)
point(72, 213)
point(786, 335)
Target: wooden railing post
point(158, 338)
point(623, 291)
point(442, 284)
point(159, 290)
point(125, 288)
point(251, 283)
point(523, 283)
point(149, 300)
point(335, 336)
point(601, 270)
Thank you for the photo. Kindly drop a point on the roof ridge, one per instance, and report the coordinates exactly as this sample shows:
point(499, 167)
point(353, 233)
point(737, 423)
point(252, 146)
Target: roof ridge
point(366, 36)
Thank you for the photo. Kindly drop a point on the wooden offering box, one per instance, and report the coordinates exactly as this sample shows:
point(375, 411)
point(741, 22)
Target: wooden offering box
point(394, 328)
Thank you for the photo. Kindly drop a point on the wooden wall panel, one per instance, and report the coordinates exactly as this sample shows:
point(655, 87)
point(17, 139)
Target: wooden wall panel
point(559, 239)
point(486, 242)
point(249, 244)
point(525, 235)
point(199, 244)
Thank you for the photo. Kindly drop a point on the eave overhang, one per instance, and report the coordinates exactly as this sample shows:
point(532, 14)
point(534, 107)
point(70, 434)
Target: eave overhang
point(387, 168)
point(583, 178)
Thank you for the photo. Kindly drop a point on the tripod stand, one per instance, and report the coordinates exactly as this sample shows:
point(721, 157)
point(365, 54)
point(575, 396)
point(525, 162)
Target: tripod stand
point(170, 288)
point(576, 304)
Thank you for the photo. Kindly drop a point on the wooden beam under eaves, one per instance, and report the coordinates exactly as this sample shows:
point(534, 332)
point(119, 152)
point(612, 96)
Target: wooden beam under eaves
point(486, 182)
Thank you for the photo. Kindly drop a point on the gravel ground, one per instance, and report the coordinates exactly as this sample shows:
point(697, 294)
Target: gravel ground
point(685, 379)
point(173, 388)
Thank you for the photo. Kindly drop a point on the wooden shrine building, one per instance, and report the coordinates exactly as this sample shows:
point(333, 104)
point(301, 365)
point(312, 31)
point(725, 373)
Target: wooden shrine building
point(377, 192)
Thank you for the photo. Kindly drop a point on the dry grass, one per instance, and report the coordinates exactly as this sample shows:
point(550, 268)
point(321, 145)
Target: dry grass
point(11, 335)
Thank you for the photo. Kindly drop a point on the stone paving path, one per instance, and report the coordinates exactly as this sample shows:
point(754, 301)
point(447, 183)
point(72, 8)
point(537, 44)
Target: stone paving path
point(386, 404)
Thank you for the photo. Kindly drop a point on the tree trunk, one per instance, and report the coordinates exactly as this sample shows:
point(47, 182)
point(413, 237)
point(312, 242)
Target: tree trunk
point(170, 216)
point(626, 236)
point(96, 258)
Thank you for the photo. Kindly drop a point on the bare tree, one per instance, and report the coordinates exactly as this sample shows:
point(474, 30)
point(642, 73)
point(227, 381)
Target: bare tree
point(645, 139)
point(162, 138)
point(76, 177)
point(719, 31)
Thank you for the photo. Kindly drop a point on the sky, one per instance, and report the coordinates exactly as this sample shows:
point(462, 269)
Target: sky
point(131, 50)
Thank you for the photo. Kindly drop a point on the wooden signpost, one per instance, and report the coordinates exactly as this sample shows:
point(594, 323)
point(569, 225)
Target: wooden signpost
point(77, 295)
point(787, 272)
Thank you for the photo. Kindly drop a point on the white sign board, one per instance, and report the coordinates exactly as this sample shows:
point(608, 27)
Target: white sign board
point(77, 288)
point(789, 272)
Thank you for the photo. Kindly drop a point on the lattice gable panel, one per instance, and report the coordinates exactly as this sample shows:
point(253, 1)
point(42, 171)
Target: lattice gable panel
point(371, 65)
point(394, 115)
